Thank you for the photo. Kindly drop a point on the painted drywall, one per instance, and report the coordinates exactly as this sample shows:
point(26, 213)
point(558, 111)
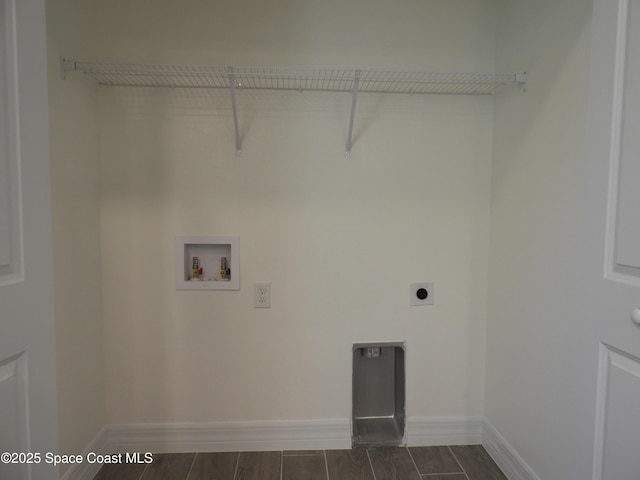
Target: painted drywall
point(547, 307)
point(75, 210)
point(340, 240)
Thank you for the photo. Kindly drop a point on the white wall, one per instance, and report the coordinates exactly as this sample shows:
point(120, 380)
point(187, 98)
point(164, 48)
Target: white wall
point(75, 207)
point(340, 240)
point(547, 227)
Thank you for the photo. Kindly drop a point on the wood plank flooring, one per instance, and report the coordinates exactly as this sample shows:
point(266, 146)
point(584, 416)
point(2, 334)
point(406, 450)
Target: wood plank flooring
point(466, 462)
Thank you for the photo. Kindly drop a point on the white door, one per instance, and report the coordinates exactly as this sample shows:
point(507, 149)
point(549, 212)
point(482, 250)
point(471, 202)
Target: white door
point(28, 414)
point(614, 143)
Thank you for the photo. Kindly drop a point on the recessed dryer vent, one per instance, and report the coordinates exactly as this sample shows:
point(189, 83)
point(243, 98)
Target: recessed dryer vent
point(378, 394)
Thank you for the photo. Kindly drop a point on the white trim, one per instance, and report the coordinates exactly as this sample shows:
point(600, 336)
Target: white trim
point(280, 435)
point(614, 143)
point(86, 470)
point(614, 271)
point(230, 436)
point(505, 456)
point(267, 435)
point(13, 272)
point(293, 435)
point(429, 431)
point(601, 410)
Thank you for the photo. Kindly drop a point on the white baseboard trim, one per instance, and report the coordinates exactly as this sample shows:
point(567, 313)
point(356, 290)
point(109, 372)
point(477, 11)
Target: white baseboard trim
point(86, 470)
point(230, 436)
point(430, 431)
point(280, 435)
point(292, 435)
point(505, 456)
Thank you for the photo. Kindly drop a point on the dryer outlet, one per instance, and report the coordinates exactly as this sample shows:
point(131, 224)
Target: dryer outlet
point(421, 294)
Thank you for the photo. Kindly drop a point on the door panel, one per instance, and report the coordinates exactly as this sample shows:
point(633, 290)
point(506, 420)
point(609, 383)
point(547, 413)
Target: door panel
point(5, 227)
point(618, 425)
point(628, 221)
point(615, 116)
point(9, 199)
point(624, 219)
point(14, 432)
point(28, 410)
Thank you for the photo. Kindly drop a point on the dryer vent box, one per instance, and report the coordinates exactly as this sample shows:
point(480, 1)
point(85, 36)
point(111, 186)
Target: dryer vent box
point(378, 394)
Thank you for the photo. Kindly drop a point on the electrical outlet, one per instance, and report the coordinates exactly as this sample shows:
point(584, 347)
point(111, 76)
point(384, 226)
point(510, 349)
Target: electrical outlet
point(262, 295)
point(421, 294)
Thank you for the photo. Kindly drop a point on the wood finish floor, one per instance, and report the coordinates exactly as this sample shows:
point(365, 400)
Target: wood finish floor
point(468, 462)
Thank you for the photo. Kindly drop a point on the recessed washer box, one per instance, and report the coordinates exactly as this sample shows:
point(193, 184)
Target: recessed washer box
point(213, 253)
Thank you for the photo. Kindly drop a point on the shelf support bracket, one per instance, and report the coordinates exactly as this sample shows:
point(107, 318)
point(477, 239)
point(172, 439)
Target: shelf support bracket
point(234, 106)
point(66, 66)
point(354, 99)
point(522, 79)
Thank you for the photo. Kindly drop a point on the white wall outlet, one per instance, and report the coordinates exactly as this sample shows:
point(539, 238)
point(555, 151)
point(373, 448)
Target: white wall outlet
point(262, 295)
point(421, 294)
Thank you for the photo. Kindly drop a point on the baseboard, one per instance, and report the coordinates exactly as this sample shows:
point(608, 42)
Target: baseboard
point(293, 435)
point(513, 466)
point(280, 435)
point(429, 431)
point(86, 470)
point(230, 436)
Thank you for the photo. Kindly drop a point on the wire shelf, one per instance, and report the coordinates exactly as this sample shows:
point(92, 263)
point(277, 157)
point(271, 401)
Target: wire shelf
point(270, 78)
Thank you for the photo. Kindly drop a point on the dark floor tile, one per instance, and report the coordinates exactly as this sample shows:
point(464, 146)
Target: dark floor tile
point(304, 467)
point(169, 466)
point(477, 463)
point(433, 463)
point(392, 463)
point(214, 466)
point(435, 460)
point(349, 465)
point(303, 452)
point(446, 476)
point(120, 471)
point(259, 466)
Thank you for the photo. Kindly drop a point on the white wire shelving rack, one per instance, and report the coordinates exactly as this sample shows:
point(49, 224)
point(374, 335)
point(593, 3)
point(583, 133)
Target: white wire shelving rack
point(234, 79)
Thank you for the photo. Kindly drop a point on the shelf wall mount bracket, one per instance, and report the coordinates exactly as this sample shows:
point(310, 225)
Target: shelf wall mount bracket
point(66, 66)
point(234, 106)
point(522, 79)
point(354, 100)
